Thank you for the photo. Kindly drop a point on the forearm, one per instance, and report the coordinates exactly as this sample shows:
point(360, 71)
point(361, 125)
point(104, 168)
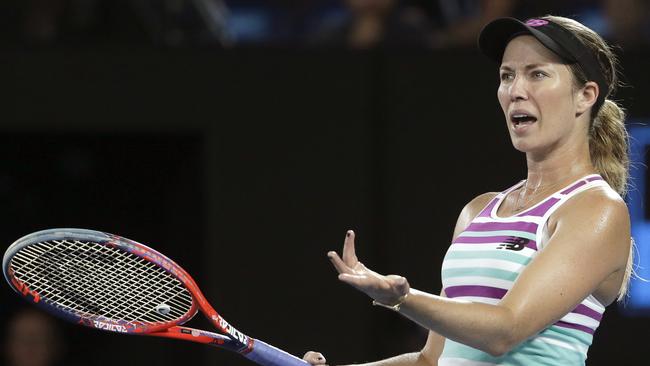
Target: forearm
point(407, 359)
point(489, 328)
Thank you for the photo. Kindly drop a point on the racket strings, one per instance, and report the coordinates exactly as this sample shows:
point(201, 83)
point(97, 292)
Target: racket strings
point(93, 279)
point(139, 296)
point(46, 278)
point(133, 302)
point(125, 290)
point(58, 267)
point(60, 276)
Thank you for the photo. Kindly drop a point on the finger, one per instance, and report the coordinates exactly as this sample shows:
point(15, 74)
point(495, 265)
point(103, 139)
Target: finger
point(314, 358)
point(360, 282)
point(338, 263)
point(349, 254)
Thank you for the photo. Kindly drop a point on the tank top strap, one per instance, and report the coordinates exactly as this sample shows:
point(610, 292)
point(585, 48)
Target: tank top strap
point(545, 209)
point(486, 212)
point(550, 204)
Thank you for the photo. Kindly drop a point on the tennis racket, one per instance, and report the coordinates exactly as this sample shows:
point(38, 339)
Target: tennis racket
point(107, 282)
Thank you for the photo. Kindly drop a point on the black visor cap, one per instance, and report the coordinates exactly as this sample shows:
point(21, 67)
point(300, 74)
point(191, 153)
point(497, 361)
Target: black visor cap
point(496, 35)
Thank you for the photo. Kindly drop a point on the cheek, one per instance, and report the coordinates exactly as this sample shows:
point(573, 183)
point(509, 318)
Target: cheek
point(502, 96)
point(556, 96)
point(556, 103)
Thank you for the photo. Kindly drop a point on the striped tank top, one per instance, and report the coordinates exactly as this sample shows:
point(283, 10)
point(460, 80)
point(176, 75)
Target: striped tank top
point(485, 260)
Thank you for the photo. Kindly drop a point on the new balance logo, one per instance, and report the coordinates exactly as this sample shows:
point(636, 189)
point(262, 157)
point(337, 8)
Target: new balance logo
point(514, 243)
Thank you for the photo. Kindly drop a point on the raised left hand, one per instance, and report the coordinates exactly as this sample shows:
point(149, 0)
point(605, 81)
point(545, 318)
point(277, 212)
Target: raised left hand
point(388, 290)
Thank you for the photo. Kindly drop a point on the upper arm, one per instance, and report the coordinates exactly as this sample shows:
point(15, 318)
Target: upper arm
point(590, 241)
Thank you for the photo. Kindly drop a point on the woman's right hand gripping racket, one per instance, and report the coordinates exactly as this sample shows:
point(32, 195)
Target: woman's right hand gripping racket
point(115, 284)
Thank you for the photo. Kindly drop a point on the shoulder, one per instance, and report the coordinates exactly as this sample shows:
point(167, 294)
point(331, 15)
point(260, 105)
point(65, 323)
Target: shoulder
point(478, 203)
point(471, 210)
point(483, 198)
point(601, 205)
point(597, 216)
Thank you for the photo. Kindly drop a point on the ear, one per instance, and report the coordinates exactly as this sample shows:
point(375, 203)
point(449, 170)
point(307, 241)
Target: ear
point(587, 97)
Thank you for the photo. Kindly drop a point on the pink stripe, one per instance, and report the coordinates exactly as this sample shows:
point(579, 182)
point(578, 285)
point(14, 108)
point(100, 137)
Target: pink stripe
point(575, 326)
point(584, 310)
point(477, 291)
point(581, 183)
point(541, 209)
point(574, 187)
point(530, 227)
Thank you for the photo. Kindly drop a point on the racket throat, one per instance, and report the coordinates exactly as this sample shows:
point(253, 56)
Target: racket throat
point(232, 332)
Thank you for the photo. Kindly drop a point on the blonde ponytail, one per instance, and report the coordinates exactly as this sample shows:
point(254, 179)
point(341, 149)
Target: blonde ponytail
point(608, 145)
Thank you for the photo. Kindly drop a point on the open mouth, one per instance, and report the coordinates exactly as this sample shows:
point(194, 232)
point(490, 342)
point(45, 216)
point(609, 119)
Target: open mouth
point(522, 119)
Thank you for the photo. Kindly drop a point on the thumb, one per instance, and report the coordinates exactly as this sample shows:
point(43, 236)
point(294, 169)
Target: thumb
point(400, 283)
point(314, 358)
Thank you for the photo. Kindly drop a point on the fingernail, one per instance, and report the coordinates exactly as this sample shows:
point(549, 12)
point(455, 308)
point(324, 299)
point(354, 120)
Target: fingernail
point(348, 234)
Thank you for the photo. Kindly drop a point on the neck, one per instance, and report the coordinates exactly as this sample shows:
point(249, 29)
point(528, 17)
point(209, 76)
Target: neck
point(562, 165)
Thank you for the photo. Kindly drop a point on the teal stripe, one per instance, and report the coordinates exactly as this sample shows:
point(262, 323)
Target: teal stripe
point(479, 271)
point(568, 335)
point(539, 353)
point(459, 350)
point(521, 234)
point(527, 353)
point(505, 255)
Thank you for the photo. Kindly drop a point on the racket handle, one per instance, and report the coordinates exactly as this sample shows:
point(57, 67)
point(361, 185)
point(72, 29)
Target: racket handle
point(267, 355)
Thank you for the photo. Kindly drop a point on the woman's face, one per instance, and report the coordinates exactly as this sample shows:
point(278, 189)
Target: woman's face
point(537, 97)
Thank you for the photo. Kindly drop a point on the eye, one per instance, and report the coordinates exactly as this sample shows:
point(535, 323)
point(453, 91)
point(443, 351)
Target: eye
point(507, 76)
point(539, 74)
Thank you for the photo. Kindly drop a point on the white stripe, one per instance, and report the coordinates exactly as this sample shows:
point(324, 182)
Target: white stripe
point(482, 263)
point(593, 303)
point(573, 347)
point(483, 300)
point(470, 246)
point(453, 361)
point(581, 320)
point(584, 187)
point(534, 219)
point(473, 280)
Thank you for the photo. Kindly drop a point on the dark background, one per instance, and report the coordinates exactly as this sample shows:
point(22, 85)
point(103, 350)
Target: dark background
point(247, 165)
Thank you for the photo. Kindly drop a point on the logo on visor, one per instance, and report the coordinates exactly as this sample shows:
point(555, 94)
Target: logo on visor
point(536, 22)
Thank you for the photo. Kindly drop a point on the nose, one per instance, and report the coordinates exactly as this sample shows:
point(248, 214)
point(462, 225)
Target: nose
point(518, 89)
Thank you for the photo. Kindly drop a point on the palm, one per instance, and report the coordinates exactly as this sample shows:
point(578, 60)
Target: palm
point(385, 289)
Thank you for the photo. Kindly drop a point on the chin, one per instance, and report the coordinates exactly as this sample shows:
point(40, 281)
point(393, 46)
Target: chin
point(524, 145)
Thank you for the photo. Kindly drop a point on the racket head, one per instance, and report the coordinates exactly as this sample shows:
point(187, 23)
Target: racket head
point(100, 280)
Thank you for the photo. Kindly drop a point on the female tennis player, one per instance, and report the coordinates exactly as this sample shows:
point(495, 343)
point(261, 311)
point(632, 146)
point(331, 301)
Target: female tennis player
point(531, 269)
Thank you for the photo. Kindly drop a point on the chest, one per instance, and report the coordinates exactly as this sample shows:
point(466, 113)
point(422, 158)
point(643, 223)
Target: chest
point(487, 257)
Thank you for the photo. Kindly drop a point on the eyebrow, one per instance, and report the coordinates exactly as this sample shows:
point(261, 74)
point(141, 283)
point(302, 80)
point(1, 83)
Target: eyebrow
point(528, 67)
